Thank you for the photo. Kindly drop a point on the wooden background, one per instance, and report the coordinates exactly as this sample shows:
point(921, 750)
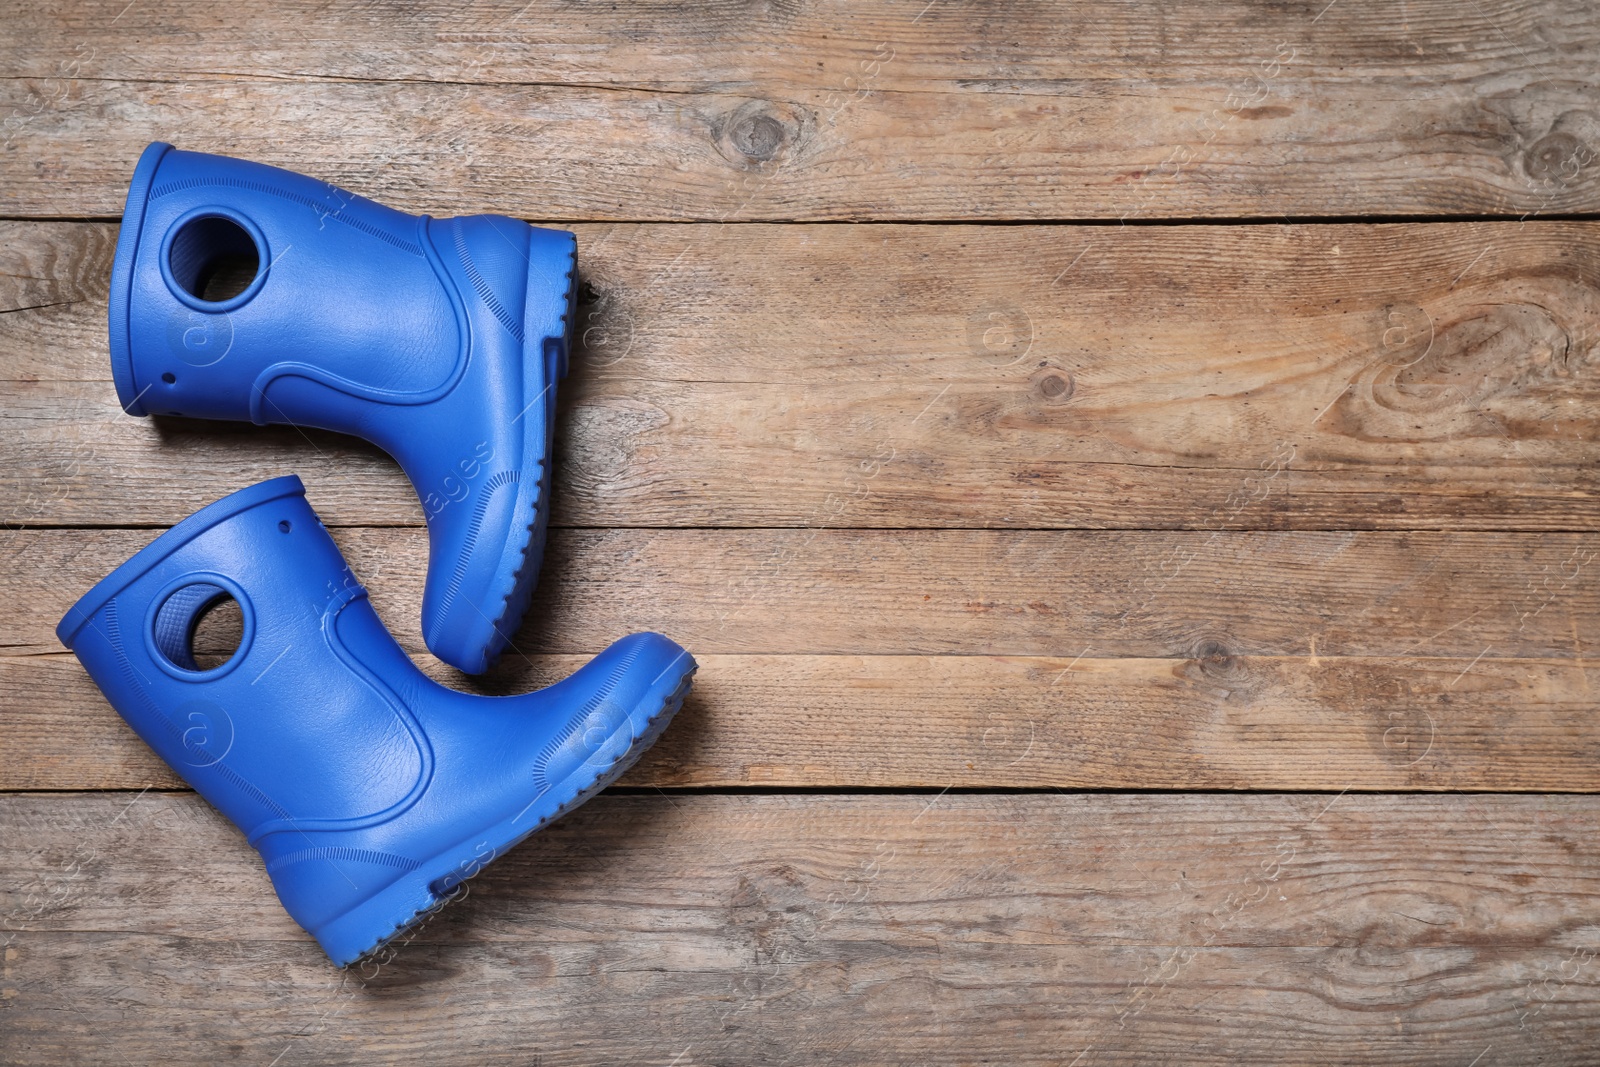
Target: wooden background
point(1128, 472)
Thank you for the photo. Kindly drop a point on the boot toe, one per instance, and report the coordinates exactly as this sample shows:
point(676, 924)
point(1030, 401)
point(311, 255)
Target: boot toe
point(617, 705)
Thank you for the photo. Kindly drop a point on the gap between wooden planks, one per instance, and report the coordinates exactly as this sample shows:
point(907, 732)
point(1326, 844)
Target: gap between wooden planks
point(1206, 929)
point(1395, 376)
point(887, 110)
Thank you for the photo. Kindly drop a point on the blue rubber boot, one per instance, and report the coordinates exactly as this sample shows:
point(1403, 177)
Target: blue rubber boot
point(241, 291)
point(370, 790)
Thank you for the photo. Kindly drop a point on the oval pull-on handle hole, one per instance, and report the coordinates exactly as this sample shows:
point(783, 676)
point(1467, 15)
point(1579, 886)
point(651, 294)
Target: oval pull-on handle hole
point(199, 627)
point(214, 258)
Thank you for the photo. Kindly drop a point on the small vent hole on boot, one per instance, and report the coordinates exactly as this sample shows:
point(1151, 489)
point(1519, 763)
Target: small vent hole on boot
point(284, 526)
point(214, 258)
point(199, 627)
point(170, 378)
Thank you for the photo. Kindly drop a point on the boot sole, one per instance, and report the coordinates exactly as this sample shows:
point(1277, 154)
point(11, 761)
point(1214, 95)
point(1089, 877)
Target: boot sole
point(528, 550)
point(368, 928)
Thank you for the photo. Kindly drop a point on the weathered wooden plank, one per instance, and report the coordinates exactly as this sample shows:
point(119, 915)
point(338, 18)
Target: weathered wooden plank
point(1016, 593)
point(1202, 377)
point(1079, 109)
point(1043, 48)
point(1026, 929)
point(1417, 723)
point(1110, 660)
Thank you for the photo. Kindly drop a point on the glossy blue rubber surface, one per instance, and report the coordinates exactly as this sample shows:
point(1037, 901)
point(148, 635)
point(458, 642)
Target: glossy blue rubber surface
point(370, 790)
point(241, 291)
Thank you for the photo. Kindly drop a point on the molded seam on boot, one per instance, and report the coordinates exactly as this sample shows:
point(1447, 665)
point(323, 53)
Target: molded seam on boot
point(490, 487)
point(344, 852)
point(258, 389)
point(402, 712)
point(484, 292)
point(265, 380)
point(317, 206)
point(580, 721)
point(175, 731)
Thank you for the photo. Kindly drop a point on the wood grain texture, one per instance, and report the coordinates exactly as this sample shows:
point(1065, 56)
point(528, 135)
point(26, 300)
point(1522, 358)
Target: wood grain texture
point(1013, 593)
point(893, 722)
point(1029, 929)
point(1399, 376)
point(944, 507)
point(973, 658)
point(1079, 109)
point(1040, 48)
